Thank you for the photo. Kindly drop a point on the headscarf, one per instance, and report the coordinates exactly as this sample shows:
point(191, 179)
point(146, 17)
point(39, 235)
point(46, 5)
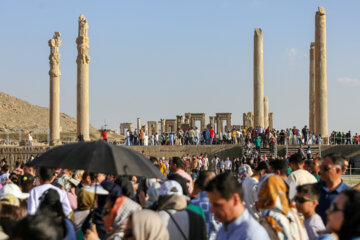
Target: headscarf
point(244, 171)
point(276, 215)
point(147, 225)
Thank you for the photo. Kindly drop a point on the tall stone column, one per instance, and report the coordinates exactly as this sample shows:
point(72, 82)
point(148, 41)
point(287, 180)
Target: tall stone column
point(83, 61)
point(138, 124)
point(218, 125)
point(258, 79)
point(55, 74)
point(228, 123)
point(320, 74)
point(203, 124)
point(312, 94)
point(266, 112)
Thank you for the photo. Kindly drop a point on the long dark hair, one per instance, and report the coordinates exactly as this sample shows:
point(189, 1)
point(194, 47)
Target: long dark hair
point(350, 227)
point(50, 205)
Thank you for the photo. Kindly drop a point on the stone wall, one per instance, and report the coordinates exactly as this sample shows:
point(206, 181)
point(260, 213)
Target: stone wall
point(12, 153)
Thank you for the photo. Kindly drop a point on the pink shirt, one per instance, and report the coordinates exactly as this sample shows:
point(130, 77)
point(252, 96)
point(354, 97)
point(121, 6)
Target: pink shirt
point(187, 177)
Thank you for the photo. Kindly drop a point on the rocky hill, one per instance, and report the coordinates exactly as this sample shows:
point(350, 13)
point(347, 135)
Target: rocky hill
point(17, 113)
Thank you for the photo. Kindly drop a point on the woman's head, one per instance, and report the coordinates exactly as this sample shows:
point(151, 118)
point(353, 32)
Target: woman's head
point(343, 216)
point(10, 208)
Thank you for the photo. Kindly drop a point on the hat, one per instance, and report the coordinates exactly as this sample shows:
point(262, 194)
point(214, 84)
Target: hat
point(14, 190)
point(10, 199)
point(99, 190)
point(170, 187)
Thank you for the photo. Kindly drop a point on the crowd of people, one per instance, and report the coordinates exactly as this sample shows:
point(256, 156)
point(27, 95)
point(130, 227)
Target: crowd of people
point(268, 137)
point(247, 197)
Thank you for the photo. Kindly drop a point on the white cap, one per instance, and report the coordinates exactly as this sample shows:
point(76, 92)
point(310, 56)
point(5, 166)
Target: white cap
point(99, 190)
point(13, 189)
point(170, 187)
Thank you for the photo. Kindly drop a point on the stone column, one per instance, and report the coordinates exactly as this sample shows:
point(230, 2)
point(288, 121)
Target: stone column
point(157, 127)
point(122, 130)
point(218, 125)
point(266, 112)
point(320, 74)
point(138, 124)
point(83, 61)
point(258, 78)
point(55, 74)
point(271, 120)
point(162, 125)
point(203, 124)
point(131, 127)
point(228, 123)
point(212, 122)
point(146, 129)
point(312, 94)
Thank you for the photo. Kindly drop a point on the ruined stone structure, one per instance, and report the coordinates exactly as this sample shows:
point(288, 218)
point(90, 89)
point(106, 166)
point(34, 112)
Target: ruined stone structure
point(271, 120)
point(180, 120)
point(153, 127)
point(220, 117)
point(320, 75)
point(266, 112)
point(163, 125)
point(190, 119)
point(54, 118)
point(248, 120)
point(170, 126)
point(258, 79)
point(312, 94)
point(212, 122)
point(124, 126)
point(83, 61)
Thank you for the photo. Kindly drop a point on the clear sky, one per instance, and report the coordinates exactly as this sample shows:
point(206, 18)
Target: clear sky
point(158, 59)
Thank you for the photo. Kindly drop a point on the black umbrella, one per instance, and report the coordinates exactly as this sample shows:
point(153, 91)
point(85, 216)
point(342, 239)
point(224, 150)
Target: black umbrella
point(98, 157)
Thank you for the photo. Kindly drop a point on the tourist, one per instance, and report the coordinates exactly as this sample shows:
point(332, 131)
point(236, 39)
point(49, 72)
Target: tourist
point(4, 177)
point(30, 139)
point(46, 176)
point(38, 227)
point(212, 132)
point(275, 210)
point(306, 201)
point(141, 137)
point(50, 205)
point(202, 200)
point(298, 174)
point(104, 135)
point(177, 166)
point(343, 217)
point(145, 225)
point(226, 198)
point(330, 183)
point(227, 165)
point(181, 222)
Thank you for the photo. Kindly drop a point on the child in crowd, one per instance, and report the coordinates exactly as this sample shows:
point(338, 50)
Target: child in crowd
point(306, 201)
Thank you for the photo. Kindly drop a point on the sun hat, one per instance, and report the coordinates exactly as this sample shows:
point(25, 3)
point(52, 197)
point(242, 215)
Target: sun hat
point(99, 190)
point(170, 187)
point(13, 190)
point(10, 199)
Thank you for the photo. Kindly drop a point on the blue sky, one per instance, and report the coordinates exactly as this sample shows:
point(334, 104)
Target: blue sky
point(158, 59)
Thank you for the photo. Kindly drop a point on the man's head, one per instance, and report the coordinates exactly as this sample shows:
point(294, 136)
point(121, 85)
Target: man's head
point(202, 180)
point(296, 162)
point(46, 174)
point(346, 165)
point(5, 169)
point(262, 168)
point(331, 168)
point(29, 169)
point(315, 164)
point(279, 167)
point(307, 198)
point(176, 164)
point(226, 197)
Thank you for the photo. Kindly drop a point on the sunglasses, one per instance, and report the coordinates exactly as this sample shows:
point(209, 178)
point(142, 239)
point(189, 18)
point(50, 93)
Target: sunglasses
point(301, 199)
point(325, 168)
point(334, 208)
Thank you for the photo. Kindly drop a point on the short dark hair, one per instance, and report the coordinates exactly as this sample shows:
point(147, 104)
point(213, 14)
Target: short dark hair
point(280, 165)
point(203, 179)
point(337, 159)
point(226, 184)
point(153, 159)
point(350, 227)
point(179, 163)
point(312, 190)
point(5, 168)
point(38, 227)
point(46, 174)
point(296, 159)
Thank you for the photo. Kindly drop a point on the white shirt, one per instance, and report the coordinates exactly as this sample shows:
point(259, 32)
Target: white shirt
point(30, 138)
point(37, 192)
point(227, 164)
point(301, 177)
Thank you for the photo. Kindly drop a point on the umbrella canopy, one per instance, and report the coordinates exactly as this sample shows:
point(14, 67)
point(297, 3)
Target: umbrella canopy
point(98, 157)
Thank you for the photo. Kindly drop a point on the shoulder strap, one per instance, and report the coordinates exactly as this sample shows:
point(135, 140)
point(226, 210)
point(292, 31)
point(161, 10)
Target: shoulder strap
point(176, 224)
